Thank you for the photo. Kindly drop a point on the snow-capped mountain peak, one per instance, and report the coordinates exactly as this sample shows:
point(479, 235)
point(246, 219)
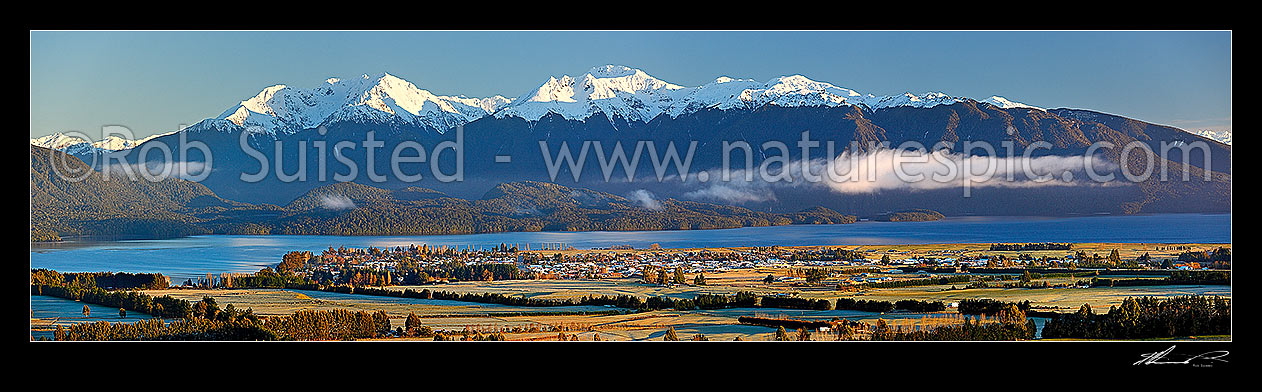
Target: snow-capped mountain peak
point(74, 144)
point(612, 71)
point(1221, 135)
point(554, 90)
point(637, 96)
point(1004, 103)
point(789, 91)
point(380, 97)
point(615, 90)
point(929, 99)
point(57, 141)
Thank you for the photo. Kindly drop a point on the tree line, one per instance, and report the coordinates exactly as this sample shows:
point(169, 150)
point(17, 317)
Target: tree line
point(1012, 325)
point(743, 299)
point(1030, 247)
point(886, 306)
point(919, 282)
point(164, 306)
point(114, 280)
point(989, 307)
point(1218, 254)
point(1175, 278)
point(1146, 317)
point(200, 321)
point(336, 324)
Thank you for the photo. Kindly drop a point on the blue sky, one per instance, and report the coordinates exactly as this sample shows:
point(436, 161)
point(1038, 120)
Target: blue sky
point(156, 81)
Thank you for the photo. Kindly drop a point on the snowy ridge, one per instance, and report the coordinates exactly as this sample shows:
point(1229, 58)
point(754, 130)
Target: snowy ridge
point(380, 98)
point(1004, 103)
point(57, 141)
point(727, 93)
point(1221, 136)
point(926, 100)
point(633, 94)
point(71, 144)
point(611, 89)
point(615, 90)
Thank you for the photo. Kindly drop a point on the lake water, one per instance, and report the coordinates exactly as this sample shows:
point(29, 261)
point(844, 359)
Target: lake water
point(191, 257)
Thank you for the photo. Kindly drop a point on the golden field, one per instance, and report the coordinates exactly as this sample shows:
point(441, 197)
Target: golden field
point(541, 323)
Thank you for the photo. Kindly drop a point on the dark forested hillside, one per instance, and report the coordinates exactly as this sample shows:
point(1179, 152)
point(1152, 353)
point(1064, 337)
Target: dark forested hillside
point(95, 206)
point(518, 206)
point(173, 207)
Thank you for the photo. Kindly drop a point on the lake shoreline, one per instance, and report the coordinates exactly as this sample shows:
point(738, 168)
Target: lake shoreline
point(191, 257)
point(70, 240)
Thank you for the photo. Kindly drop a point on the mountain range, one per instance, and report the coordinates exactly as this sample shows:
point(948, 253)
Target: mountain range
point(614, 104)
point(612, 90)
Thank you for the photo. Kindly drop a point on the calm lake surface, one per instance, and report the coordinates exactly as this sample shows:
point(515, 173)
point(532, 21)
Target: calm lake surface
point(191, 257)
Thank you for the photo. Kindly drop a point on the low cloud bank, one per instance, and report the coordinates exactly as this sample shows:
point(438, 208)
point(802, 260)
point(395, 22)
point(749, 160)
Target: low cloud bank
point(897, 170)
point(920, 170)
point(645, 199)
point(157, 171)
point(733, 192)
point(336, 202)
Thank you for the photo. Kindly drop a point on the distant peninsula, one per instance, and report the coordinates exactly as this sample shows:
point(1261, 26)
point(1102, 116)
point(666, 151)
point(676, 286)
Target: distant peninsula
point(912, 215)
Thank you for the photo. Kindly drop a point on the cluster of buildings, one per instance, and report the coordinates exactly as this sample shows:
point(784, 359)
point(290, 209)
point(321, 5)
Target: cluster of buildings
point(619, 262)
point(561, 261)
point(606, 264)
